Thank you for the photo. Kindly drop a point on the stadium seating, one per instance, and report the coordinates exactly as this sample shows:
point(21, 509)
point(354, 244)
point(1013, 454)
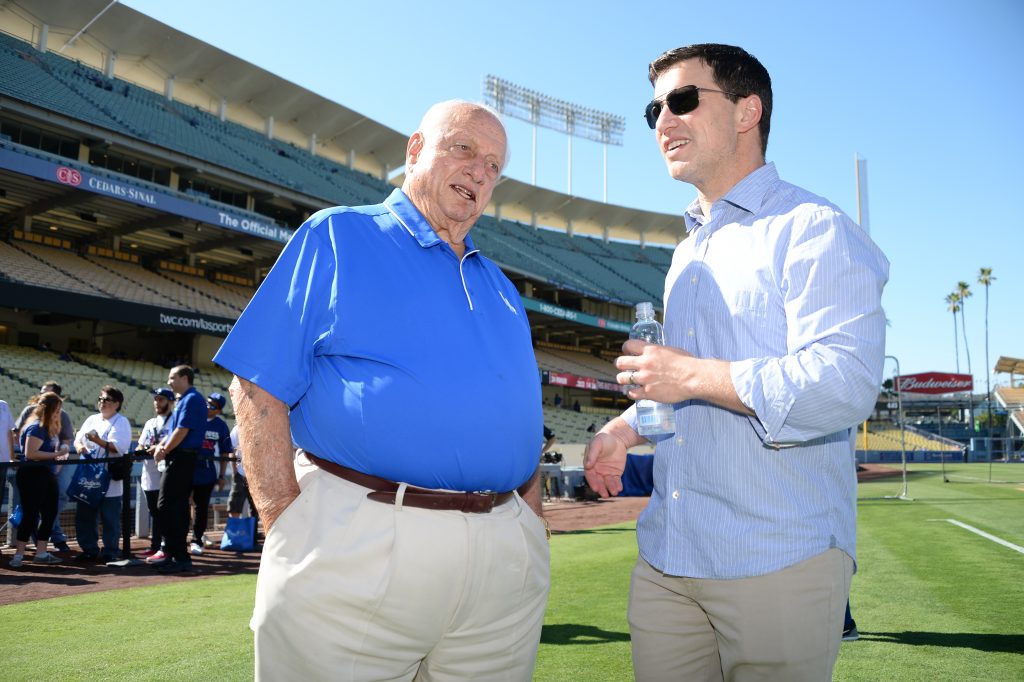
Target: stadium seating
point(580, 364)
point(20, 265)
point(887, 437)
point(612, 271)
point(23, 371)
point(570, 427)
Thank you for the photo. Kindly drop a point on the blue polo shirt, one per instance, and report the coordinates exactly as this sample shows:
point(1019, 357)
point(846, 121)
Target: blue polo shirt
point(396, 358)
point(190, 413)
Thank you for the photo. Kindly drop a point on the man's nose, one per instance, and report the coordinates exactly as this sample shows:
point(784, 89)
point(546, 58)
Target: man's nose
point(477, 169)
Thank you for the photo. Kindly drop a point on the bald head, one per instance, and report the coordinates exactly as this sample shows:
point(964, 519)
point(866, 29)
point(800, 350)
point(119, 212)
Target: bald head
point(444, 115)
point(452, 163)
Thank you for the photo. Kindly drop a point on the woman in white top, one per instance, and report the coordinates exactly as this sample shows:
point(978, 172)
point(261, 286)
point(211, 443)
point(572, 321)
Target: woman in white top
point(105, 434)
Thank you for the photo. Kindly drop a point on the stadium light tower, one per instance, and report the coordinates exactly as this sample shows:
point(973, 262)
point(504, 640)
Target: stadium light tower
point(545, 111)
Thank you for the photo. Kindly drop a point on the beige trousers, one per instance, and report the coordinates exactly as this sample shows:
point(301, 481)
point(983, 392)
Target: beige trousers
point(782, 626)
point(352, 589)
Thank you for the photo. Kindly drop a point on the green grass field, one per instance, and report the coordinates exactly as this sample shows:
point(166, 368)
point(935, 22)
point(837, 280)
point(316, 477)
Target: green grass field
point(933, 601)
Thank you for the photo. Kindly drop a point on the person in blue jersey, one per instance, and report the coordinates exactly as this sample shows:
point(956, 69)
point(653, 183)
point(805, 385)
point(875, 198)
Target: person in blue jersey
point(775, 340)
point(405, 538)
point(36, 479)
point(209, 472)
point(179, 451)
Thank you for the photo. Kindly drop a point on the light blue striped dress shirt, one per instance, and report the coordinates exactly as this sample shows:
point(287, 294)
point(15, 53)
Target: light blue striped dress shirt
point(786, 287)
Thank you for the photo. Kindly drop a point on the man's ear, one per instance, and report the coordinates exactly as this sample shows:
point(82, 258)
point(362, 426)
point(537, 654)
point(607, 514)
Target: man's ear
point(748, 113)
point(413, 149)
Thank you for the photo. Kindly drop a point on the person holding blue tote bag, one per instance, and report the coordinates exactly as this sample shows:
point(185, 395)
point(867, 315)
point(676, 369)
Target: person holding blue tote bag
point(108, 433)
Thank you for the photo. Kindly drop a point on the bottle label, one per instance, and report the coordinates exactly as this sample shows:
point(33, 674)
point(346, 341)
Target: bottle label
point(651, 419)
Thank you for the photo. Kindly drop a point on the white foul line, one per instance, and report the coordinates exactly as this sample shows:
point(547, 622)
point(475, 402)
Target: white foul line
point(993, 538)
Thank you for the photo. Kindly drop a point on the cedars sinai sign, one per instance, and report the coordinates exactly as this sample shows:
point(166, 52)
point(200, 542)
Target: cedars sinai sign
point(934, 382)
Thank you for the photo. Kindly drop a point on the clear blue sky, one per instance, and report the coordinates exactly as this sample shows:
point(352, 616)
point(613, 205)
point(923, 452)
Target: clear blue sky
point(929, 92)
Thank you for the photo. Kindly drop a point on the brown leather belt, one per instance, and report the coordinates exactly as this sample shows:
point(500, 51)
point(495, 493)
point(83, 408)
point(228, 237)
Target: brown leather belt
point(383, 490)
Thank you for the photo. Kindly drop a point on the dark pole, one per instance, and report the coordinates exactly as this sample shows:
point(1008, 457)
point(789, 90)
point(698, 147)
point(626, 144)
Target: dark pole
point(126, 513)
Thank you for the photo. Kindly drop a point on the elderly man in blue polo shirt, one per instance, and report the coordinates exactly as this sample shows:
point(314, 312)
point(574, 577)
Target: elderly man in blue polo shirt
point(179, 449)
point(398, 359)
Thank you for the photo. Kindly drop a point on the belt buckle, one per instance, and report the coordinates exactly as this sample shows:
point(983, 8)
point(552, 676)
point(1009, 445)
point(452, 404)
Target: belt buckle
point(491, 495)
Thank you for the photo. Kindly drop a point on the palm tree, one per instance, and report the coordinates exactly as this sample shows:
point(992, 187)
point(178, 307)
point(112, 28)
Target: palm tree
point(985, 278)
point(953, 300)
point(964, 290)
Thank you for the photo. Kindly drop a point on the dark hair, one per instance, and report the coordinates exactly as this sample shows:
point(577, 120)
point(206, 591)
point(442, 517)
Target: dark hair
point(51, 386)
point(733, 68)
point(115, 394)
point(185, 371)
point(48, 405)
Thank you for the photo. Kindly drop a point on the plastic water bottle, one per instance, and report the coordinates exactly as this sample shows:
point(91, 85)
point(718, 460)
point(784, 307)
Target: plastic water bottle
point(652, 418)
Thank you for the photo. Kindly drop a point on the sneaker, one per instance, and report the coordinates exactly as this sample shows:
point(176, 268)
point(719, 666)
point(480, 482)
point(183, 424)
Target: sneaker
point(156, 559)
point(16, 561)
point(850, 634)
point(207, 542)
point(195, 549)
point(86, 556)
point(47, 559)
point(172, 566)
point(62, 547)
point(148, 553)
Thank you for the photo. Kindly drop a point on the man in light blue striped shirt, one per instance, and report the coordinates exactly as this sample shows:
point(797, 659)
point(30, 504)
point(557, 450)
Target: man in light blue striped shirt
point(775, 340)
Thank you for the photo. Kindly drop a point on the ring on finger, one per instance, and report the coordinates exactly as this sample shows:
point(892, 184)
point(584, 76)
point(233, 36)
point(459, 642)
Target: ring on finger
point(632, 377)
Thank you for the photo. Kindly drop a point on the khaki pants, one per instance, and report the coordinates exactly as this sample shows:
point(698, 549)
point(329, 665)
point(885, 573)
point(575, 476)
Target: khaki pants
point(783, 626)
point(352, 589)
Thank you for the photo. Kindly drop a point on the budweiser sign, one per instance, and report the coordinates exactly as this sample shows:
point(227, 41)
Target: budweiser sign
point(934, 382)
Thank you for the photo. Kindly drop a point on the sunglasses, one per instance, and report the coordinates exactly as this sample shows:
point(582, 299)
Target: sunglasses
point(104, 399)
point(680, 101)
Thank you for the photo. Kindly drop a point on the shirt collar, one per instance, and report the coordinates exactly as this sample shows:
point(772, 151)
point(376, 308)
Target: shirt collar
point(413, 221)
point(748, 195)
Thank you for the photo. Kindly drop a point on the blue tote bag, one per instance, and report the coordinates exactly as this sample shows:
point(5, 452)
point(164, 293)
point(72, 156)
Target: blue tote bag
point(89, 483)
point(239, 534)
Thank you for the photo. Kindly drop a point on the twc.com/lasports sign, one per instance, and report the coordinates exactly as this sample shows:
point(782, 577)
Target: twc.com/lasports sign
point(195, 323)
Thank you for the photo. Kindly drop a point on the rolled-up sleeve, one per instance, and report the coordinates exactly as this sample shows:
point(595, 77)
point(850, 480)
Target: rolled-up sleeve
point(831, 277)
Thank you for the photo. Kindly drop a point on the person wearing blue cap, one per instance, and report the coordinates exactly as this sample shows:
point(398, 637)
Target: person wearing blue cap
point(153, 432)
point(209, 472)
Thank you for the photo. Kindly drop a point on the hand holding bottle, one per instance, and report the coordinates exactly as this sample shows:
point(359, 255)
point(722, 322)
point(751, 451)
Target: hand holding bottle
point(652, 418)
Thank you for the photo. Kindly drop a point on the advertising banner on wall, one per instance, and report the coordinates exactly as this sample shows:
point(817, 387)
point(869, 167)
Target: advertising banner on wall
point(140, 193)
point(934, 383)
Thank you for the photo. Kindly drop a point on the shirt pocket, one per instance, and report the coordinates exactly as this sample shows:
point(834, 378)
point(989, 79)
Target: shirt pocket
point(749, 303)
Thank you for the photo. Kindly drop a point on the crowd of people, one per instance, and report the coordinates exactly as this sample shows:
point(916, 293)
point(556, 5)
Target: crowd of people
point(184, 449)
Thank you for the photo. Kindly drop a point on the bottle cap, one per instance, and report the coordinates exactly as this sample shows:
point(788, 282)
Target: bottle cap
point(644, 309)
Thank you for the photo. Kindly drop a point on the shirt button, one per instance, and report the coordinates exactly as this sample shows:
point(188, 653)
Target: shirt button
point(689, 332)
point(680, 440)
point(675, 494)
point(693, 280)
